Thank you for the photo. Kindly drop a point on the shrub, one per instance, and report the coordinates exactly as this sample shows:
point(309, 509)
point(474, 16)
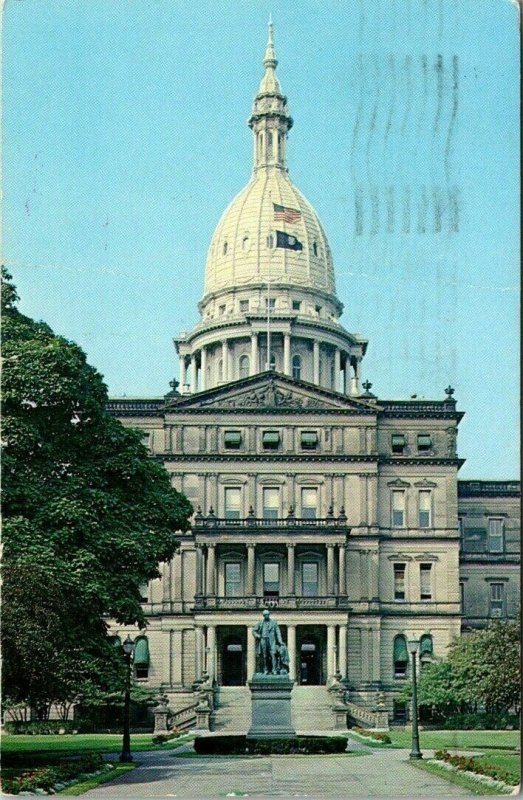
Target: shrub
point(274, 745)
point(162, 738)
point(377, 735)
point(482, 721)
point(46, 777)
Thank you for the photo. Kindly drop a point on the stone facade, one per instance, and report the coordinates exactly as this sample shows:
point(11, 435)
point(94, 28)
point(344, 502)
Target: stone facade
point(335, 508)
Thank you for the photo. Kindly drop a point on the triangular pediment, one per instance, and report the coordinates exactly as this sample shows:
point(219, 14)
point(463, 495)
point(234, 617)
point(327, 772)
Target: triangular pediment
point(270, 391)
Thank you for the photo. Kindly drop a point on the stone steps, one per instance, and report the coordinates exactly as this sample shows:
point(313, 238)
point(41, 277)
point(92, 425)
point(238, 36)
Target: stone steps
point(311, 709)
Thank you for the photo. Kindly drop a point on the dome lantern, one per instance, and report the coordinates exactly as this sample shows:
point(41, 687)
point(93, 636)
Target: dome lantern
point(270, 120)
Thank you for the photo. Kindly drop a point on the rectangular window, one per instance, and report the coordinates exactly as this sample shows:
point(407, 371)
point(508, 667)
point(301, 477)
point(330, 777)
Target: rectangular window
point(474, 540)
point(270, 440)
point(232, 440)
point(296, 305)
point(398, 508)
point(232, 503)
point(309, 440)
point(244, 306)
point(232, 579)
point(309, 503)
point(424, 442)
point(462, 597)
point(398, 443)
point(399, 581)
point(271, 503)
point(141, 671)
point(270, 302)
point(495, 535)
point(424, 509)
point(425, 581)
point(309, 579)
point(497, 600)
point(271, 579)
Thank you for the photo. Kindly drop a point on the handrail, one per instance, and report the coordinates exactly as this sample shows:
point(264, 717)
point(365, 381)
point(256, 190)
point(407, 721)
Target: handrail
point(259, 601)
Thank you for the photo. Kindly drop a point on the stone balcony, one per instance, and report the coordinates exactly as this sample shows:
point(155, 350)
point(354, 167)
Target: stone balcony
point(258, 602)
point(211, 524)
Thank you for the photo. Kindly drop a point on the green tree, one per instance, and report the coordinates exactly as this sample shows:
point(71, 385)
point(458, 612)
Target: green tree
point(88, 516)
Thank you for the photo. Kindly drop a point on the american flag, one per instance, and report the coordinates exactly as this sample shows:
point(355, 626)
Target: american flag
point(284, 214)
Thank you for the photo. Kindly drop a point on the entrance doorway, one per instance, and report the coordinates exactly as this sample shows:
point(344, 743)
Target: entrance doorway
point(232, 658)
point(310, 659)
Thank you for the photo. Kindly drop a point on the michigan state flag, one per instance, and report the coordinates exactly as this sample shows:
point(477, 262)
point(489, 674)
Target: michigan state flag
point(287, 241)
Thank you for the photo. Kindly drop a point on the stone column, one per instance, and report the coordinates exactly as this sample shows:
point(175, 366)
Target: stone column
point(342, 588)
point(251, 653)
point(331, 642)
point(199, 646)
point(211, 654)
point(225, 360)
point(330, 569)
point(316, 362)
point(211, 569)
point(177, 658)
point(355, 389)
point(199, 570)
point(183, 373)
point(342, 650)
point(254, 354)
point(287, 353)
point(194, 374)
point(291, 646)
point(337, 369)
point(346, 377)
point(203, 369)
point(251, 558)
point(291, 583)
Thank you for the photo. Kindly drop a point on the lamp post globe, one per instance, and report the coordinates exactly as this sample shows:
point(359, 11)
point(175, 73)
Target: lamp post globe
point(415, 753)
point(128, 648)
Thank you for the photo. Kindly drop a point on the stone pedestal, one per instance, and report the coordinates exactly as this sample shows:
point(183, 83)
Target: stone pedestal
point(271, 706)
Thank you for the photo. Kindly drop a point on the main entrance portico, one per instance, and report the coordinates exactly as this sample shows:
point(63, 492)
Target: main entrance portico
point(316, 650)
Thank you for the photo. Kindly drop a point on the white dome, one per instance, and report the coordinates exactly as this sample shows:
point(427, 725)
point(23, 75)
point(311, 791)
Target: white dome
point(243, 249)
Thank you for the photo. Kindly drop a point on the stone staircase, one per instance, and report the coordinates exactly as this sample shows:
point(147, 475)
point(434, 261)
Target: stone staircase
point(311, 709)
point(233, 709)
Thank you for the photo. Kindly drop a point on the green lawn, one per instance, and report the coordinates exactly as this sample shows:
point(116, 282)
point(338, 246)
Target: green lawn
point(464, 781)
point(463, 740)
point(68, 744)
point(91, 783)
point(509, 761)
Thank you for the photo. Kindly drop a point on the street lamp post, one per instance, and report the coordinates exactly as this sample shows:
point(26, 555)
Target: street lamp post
point(415, 753)
point(125, 756)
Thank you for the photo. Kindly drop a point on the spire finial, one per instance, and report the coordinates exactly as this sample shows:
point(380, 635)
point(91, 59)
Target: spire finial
point(270, 60)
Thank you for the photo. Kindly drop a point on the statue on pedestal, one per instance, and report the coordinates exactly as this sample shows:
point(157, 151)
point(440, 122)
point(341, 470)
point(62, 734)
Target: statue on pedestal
point(268, 643)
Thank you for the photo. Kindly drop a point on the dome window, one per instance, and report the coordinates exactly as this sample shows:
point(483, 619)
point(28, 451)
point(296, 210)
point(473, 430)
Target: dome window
point(269, 145)
point(270, 241)
point(315, 248)
point(244, 366)
point(246, 242)
point(296, 367)
point(225, 247)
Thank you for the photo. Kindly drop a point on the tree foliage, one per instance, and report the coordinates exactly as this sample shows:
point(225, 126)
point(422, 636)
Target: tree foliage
point(482, 671)
point(88, 515)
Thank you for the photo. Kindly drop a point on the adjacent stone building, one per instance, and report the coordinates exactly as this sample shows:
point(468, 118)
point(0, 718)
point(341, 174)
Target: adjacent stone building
point(337, 509)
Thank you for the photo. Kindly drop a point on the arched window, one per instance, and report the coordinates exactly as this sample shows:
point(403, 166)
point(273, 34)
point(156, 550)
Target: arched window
point(425, 650)
point(141, 657)
point(246, 242)
point(315, 248)
point(296, 367)
point(269, 145)
point(220, 369)
point(401, 657)
point(225, 246)
point(244, 366)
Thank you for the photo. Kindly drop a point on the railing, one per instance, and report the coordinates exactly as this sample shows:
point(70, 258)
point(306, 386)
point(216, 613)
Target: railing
point(372, 719)
point(135, 406)
point(256, 602)
point(210, 521)
point(185, 717)
point(488, 488)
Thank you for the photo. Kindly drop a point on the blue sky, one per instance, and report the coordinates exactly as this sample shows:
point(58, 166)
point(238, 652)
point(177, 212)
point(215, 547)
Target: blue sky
point(125, 137)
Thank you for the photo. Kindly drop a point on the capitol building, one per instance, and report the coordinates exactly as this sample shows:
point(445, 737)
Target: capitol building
point(338, 510)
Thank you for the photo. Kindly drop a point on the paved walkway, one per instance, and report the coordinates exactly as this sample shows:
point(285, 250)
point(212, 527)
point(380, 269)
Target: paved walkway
point(379, 773)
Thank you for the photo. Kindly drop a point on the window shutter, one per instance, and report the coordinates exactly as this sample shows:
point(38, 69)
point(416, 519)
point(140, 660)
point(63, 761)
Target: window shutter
point(309, 440)
point(232, 438)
